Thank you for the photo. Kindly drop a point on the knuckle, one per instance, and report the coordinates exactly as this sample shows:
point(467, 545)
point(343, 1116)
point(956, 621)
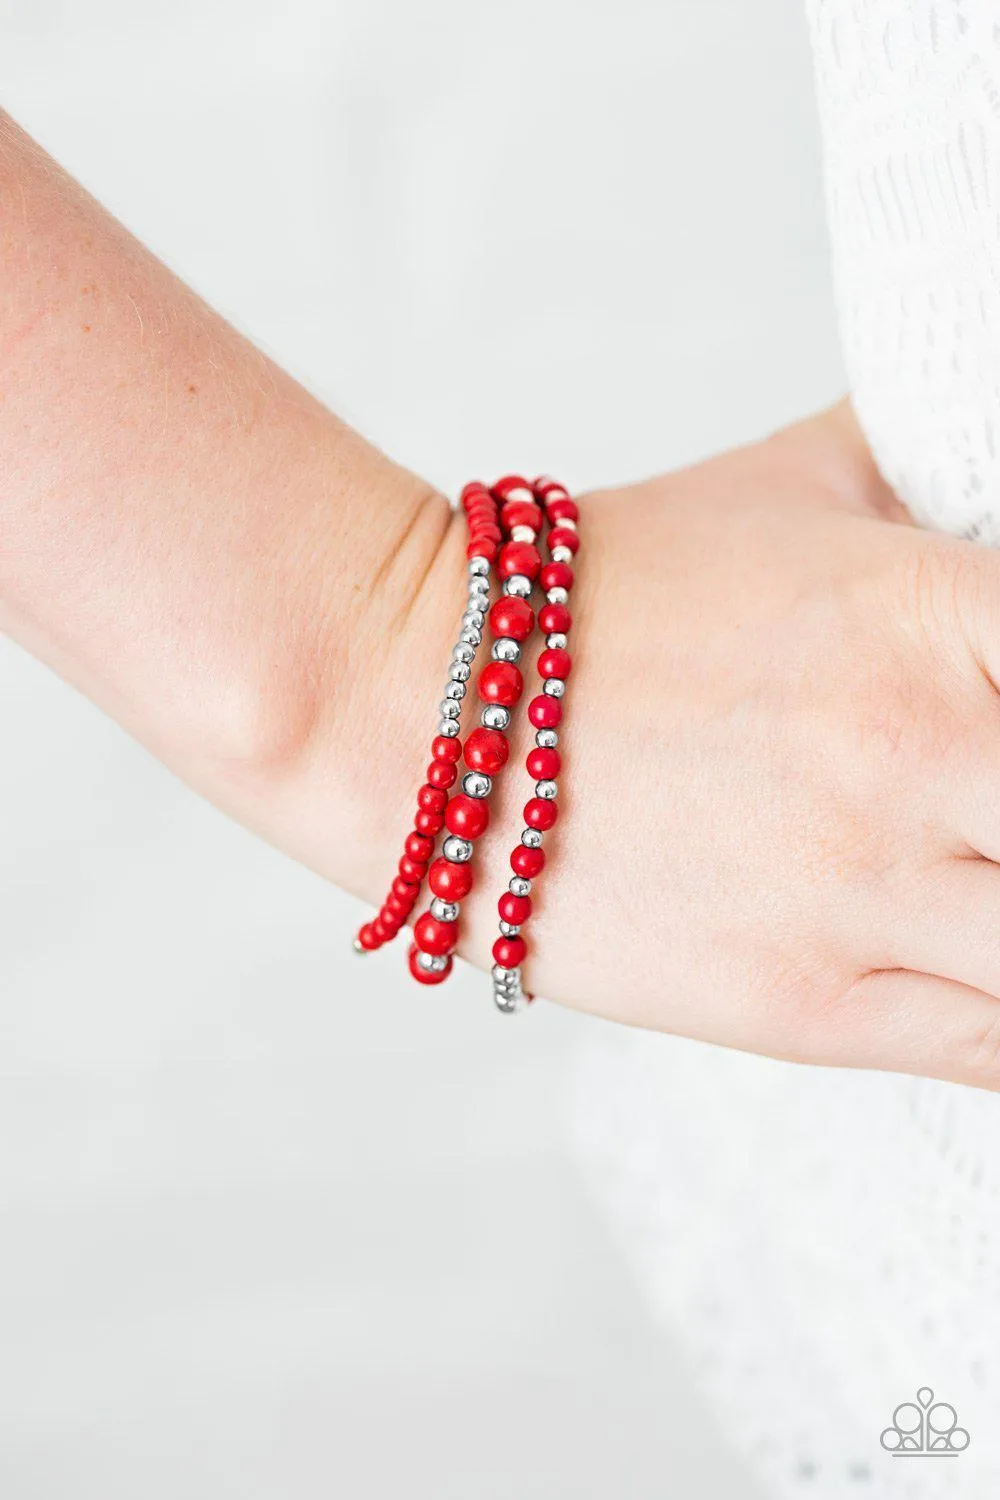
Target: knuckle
point(982, 1054)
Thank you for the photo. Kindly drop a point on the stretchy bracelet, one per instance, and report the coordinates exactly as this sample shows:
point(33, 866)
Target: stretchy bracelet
point(446, 749)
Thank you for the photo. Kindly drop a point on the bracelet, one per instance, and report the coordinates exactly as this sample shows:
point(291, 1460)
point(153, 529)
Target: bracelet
point(505, 527)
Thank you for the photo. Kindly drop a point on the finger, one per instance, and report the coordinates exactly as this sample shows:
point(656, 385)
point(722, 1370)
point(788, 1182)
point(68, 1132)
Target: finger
point(917, 1023)
point(950, 925)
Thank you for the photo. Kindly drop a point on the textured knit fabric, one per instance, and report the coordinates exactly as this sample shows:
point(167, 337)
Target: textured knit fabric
point(826, 1243)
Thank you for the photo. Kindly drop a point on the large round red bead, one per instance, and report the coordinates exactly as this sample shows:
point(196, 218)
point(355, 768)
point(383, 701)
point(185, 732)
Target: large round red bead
point(467, 817)
point(527, 862)
point(557, 576)
point(434, 936)
point(514, 909)
point(512, 617)
point(521, 513)
point(555, 662)
point(500, 682)
point(543, 765)
point(426, 976)
point(509, 952)
point(540, 812)
point(519, 557)
point(510, 484)
point(544, 712)
point(486, 750)
point(450, 881)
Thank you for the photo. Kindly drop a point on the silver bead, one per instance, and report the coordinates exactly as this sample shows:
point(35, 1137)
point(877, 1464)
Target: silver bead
point(444, 911)
point(470, 635)
point(475, 784)
point(459, 851)
point(517, 885)
point(359, 947)
point(460, 671)
point(556, 641)
point(479, 567)
point(509, 929)
point(450, 709)
point(479, 594)
point(521, 494)
point(518, 586)
point(546, 739)
point(554, 686)
point(455, 690)
point(569, 524)
point(449, 728)
point(495, 717)
point(522, 534)
point(558, 596)
point(501, 975)
point(464, 652)
point(561, 554)
point(546, 789)
point(531, 838)
point(432, 962)
point(505, 649)
point(474, 617)
point(509, 1004)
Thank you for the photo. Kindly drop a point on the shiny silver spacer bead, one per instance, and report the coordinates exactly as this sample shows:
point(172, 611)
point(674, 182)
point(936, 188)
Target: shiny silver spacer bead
point(519, 886)
point(558, 595)
point(456, 690)
point(508, 1004)
point(546, 739)
point(459, 851)
point(450, 709)
point(531, 838)
point(464, 652)
point(432, 962)
point(460, 671)
point(506, 649)
point(477, 784)
point(479, 567)
point(449, 728)
point(546, 789)
point(509, 929)
point(495, 717)
point(359, 947)
point(561, 554)
point(556, 641)
point(470, 636)
point(522, 534)
point(444, 911)
point(554, 686)
point(503, 976)
point(474, 618)
point(517, 585)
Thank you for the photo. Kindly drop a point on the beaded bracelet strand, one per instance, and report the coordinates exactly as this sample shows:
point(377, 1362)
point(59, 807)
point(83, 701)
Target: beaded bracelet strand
point(543, 762)
point(446, 750)
point(499, 687)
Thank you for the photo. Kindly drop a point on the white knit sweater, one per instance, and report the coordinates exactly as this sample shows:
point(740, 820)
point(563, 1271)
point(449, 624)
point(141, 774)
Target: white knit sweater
point(825, 1243)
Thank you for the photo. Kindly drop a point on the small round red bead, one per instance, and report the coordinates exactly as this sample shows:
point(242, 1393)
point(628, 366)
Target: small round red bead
point(467, 817)
point(441, 774)
point(367, 937)
point(486, 750)
point(519, 557)
point(500, 682)
point(561, 509)
point(555, 662)
point(431, 799)
point(418, 846)
point(401, 887)
point(557, 575)
point(514, 909)
point(435, 937)
point(543, 764)
point(412, 869)
point(443, 748)
point(509, 952)
point(429, 823)
point(554, 617)
point(448, 880)
point(426, 976)
point(527, 862)
point(512, 617)
point(521, 513)
point(563, 536)
point(545, 712)
point(540, 812)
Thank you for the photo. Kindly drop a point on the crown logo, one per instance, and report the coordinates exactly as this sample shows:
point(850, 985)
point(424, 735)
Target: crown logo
point(925, 1429)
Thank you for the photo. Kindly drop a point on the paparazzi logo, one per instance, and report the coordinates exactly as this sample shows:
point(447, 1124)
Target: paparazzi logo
point(925, 1428)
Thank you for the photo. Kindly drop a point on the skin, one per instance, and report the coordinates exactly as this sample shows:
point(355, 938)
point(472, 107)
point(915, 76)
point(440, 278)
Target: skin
point(779, 809)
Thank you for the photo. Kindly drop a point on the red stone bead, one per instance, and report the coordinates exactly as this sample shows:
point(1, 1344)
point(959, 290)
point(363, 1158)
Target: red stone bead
point(500, 682)
point(424, 976)
point(429, 823)
point(521, 513)
point(546, 485)
point(513, 617)
point(474, 490)
point(540, 812)
point(527, 862)
point(445, 748)
point(450, 881)
point(442, 773)
point(557, 576)
point(432, 799)
point(484, 548)
point(412, 869)
point(561, 509)
point(544, 712)
point(378, 928)
point(555, 662)
point(519, 557)
point(367, 937)
point(434, 936)
point(553, 617)
point(486, 750)
point(508, 483)
point(563, 536)
point(418, 846)
point(509, 952)
point(514, 909)
point(404, 888)
point(400, 905)
point(543, 765)
point(467, 817)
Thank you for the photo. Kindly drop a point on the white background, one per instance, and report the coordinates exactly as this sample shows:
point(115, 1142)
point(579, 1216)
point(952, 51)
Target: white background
point(272, 1223)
